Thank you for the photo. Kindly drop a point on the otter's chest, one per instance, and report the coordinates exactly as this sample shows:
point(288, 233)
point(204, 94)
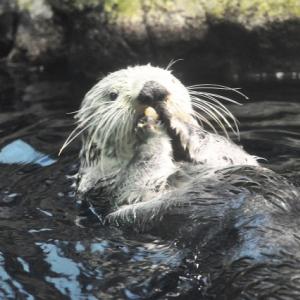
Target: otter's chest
point(90, 175)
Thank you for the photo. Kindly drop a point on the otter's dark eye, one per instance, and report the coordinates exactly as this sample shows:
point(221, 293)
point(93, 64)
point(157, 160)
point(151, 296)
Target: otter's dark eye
point(113, 96)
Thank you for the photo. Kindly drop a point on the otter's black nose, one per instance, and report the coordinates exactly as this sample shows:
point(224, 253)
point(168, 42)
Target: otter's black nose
point(152, 92)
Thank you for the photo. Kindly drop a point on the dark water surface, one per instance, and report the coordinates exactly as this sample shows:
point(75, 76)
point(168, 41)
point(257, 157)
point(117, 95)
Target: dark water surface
point(48, 250)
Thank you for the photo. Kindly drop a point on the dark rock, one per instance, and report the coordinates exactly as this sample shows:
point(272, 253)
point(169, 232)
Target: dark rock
point(39, 39)
point(8, 20)
point(216, 39)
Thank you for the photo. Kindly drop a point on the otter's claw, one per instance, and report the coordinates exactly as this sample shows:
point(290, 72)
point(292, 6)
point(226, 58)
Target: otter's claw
point(148, 125)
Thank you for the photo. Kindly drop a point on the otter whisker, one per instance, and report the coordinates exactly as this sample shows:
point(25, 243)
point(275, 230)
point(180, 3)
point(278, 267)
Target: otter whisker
point(92, 136)
point(210, 113)
point(82, 110)
point(83, 126)
point(204, 120)
point(128, 127)
point(217, 105)
point(75, 133)
point(109, 132)
point(82, 115)
point(172, 63)
point(220, 110)
point(217, 120)
point(121, 135)
point(106, 119)
point(72, 137)
point(214, 97)
point(216, 87)
point(227, 112)
point(86, 119)
point(93, 97)
point(110, 125)
point(126, 130)
point(220, 114)
point(95, 92)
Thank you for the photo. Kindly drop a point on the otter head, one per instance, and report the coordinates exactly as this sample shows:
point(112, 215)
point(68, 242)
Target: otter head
point(112, 109)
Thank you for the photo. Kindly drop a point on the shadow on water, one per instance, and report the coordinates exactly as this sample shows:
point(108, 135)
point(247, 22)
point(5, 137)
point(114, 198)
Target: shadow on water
point(47, 253)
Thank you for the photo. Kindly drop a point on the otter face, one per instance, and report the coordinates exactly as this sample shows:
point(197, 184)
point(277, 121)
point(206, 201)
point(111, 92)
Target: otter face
point(112, 109)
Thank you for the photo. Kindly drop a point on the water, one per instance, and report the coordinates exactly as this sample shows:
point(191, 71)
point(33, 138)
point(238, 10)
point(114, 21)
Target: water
point(49, 249)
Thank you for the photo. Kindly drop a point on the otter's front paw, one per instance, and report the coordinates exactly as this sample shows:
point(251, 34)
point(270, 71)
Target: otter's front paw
point(149, 125)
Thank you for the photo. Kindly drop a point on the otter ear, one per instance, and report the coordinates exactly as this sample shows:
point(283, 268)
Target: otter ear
point(113, 96)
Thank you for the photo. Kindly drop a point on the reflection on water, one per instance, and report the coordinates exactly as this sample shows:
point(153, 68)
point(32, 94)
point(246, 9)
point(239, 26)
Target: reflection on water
point(45, 253)
point(19, 152)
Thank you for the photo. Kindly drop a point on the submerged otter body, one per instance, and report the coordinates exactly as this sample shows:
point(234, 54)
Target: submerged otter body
point(148, 156)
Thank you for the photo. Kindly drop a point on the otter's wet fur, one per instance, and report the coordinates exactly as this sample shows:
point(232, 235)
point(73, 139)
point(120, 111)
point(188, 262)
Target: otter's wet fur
point(167, 174)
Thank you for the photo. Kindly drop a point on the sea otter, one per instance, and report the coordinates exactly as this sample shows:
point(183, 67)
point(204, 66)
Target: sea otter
point(149, 158)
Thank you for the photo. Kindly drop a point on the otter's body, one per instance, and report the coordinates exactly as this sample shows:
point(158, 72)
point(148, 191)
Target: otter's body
point(147, 152)
point(110, 142)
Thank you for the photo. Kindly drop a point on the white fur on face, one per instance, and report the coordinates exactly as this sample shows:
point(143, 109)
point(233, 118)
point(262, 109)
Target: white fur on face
point(108, 124)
